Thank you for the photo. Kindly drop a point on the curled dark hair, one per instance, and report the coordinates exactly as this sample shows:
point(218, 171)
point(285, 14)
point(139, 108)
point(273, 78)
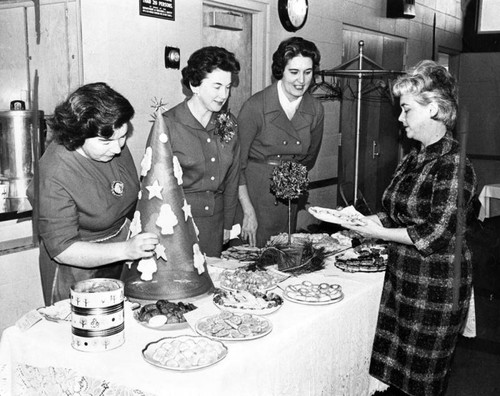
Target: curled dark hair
point(430, 82)
point(90, 111)
point(205, 61)
point(289, 49)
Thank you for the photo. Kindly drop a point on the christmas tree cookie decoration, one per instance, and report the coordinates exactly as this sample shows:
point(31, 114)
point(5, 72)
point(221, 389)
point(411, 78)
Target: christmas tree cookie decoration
point(178, 267)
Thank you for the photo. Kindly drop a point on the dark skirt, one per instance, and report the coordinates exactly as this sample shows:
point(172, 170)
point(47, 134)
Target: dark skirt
point(272, 214)
point(417, 327)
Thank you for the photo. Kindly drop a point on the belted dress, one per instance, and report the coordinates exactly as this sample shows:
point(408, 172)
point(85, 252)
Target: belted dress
point(210, 173)
point(268, 137)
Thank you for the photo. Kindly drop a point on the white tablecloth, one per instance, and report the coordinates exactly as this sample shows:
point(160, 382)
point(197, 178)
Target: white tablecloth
point(312, 350)
point(488, 192)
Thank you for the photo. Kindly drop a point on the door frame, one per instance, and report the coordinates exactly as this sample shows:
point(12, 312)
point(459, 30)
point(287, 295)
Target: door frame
point(260, 36)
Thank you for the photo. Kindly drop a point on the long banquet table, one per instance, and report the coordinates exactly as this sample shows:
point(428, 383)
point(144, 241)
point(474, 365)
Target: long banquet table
point(312, 350)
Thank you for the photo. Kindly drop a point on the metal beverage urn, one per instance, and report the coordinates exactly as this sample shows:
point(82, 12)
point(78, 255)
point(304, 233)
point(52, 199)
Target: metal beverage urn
point(17, 155)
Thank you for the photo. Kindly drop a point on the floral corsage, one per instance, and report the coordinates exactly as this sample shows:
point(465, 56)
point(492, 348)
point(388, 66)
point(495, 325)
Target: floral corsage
point(225, 127)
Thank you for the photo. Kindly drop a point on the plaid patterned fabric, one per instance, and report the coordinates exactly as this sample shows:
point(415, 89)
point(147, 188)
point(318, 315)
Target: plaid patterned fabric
point(417, 328)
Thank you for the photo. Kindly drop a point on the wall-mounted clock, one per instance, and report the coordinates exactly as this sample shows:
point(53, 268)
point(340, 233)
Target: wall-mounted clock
point(293, 13)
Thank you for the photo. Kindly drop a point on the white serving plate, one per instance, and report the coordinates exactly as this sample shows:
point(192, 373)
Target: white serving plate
point(333, 301)
point(313, 294)
point(166, 326)
point(150, 349)
point(58, 312)
point(261, 289)
point(231, 306)
point(202, 323)
point(229, 280)
point(348, 215)
point(229, 264)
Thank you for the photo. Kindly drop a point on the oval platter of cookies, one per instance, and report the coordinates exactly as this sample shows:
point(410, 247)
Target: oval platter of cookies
point(184, 353)
point(252, 281)
point(242, 301)
point(314, 294)
point(229, 326)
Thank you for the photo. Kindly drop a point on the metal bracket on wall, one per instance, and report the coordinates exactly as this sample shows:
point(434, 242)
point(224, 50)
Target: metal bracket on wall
point(172, 57)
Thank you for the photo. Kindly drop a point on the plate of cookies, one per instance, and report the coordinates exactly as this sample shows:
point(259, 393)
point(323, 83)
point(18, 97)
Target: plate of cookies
point(230, 326)
point(314, 293)
point(184, 353)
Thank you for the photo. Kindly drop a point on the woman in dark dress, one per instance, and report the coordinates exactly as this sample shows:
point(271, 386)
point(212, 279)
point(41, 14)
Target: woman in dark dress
point(282, 122)
point(427, 286)
point(88, 190)
point(205, 141)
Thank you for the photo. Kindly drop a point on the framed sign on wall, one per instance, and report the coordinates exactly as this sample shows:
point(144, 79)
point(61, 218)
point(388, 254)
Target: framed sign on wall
point(164, 9)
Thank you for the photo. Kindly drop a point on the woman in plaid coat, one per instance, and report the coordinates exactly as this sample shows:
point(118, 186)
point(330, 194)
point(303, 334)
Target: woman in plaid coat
point(427, 286)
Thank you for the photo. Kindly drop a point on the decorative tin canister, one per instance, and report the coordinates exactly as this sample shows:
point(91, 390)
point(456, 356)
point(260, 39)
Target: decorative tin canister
point(97, 319)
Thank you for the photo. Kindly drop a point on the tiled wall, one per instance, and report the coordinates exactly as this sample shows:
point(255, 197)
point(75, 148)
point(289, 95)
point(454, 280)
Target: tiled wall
point(126, 50)
point(132, 59)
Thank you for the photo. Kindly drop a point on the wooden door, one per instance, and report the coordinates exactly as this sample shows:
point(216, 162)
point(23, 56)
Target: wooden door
point(378, 126)
point(240, 43)
point(54, 56)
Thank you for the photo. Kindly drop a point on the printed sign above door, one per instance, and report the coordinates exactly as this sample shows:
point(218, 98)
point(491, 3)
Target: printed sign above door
point(164, 9)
